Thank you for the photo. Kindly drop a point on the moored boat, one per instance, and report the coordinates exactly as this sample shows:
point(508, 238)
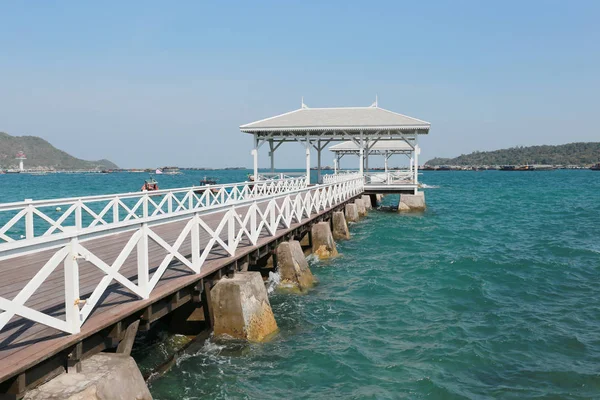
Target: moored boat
point(149, 185)
point(207, 180)
point(595, 167)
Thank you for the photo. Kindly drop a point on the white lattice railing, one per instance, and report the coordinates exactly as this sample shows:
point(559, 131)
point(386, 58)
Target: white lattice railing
point(390, 178)
point(242, 220)
point(341, 177)
point(280, 175)
point(29, 219)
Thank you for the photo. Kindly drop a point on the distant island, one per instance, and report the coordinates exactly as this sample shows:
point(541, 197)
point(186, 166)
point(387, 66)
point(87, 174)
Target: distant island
point(576, 154)
point(42, 155)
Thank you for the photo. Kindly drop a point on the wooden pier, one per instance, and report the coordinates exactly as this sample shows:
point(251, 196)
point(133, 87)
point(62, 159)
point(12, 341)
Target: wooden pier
point(142, 268)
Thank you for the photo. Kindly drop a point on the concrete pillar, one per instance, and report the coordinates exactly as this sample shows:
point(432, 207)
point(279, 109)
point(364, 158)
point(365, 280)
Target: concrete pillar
point(307, 161)
point(241, 308)
point(293, 267)
point(340, 227)
point(102, 376)
point(323, 245)
point(351, 212)
point(360, 206)
point(374, 200)
point(367, 201)
point(412, 202)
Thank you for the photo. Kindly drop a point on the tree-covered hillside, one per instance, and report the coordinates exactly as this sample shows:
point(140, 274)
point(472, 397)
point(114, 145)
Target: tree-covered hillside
point(565, 154)
point(40, 153)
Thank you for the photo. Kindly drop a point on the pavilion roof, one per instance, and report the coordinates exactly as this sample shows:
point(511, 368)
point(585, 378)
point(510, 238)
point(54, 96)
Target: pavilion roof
point(347, 119)
point(381, 145)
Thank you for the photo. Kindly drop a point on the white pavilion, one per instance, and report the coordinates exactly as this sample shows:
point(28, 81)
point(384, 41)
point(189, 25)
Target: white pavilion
point(316, 128)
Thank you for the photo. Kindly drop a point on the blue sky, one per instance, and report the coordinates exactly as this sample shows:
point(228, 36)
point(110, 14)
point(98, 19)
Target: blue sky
point(153, 83)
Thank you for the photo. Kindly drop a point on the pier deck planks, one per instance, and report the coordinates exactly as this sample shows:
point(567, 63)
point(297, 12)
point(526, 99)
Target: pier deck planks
point(24, 343)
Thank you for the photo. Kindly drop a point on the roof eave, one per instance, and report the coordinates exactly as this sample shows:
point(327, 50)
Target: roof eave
point(422, 129)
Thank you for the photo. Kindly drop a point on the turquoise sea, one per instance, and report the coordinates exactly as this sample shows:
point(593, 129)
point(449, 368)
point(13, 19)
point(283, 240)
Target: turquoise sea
point(493, 292)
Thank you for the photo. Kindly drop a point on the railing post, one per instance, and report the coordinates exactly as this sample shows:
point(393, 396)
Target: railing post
point(115, 208)
point(170, 203)
point(145, 206)
point(231, 231)
point(29, 220)
point(71, 267)
point(190, 200)
point(78, 215)
point(196, 244)
point(272, 218)
point(142, 259)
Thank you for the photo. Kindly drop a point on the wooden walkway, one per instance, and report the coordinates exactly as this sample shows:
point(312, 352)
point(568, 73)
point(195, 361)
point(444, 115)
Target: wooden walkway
point(24, 344)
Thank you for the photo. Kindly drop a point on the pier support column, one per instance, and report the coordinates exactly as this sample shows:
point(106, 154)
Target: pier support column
point(374, 200)
point(323, 245)
point(360, 206)
point(412, 202)
point(367, 201)
point(293, 267)
point(351, 212)
point(102, 376)
point(241, 308)
point(340, 227)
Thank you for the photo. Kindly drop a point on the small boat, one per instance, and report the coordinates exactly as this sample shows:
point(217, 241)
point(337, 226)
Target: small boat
point(595, 167)
point(149, 185)
point(158, 171)
point(171, 171)
point(208, 181)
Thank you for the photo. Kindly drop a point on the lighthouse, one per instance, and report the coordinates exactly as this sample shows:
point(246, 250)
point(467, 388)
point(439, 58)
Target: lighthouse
point(21, 156)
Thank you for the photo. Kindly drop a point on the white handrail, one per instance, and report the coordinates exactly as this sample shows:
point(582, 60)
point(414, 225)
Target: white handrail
point(29, 219)
point(244, 219)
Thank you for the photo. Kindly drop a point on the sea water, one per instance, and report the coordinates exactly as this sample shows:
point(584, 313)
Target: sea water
point(493, 292)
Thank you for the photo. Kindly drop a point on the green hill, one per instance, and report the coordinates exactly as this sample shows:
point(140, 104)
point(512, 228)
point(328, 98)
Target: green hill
point(40, 153)
point(566, 154)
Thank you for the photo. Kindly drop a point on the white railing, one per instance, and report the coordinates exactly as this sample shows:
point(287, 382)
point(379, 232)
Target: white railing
point(264, 176)
point(243, 220)
point(390, 177)
point(29, 219)
point(341, 177)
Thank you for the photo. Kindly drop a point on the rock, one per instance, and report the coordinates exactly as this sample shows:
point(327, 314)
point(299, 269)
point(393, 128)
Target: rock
point(323, 245)
point(367, 201)
point(351, 212)
point(103, 376)
point(379, 197)
point(412, 202)
point(340, 227)
point(293, 267)
point(241, 308)
point(360, 206)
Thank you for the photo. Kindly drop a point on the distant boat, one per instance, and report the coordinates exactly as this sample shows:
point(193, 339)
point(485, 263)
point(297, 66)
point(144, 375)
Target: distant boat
point(149, 185)
point(171, 171)
point(595, 167)
point(158, 171)
point(208, 181)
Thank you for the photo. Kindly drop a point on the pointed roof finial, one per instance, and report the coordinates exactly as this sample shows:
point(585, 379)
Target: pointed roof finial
point(376, 105)
point(303, 105)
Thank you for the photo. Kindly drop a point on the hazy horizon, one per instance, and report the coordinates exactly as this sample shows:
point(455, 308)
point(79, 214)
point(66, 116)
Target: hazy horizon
point(146, 84)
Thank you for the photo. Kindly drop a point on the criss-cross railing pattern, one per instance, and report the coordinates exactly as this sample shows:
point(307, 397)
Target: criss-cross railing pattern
point(341, 177)
point(29, 219)
point(240, 221)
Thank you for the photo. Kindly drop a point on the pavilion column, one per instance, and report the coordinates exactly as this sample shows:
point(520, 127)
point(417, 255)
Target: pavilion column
point(385, 162)
point(255, 154)
point(417, 151)
point(367, 160)
point(335, 165)
point(361, 155)
point(307, 161)
point(272, 154)
point(318, 161)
